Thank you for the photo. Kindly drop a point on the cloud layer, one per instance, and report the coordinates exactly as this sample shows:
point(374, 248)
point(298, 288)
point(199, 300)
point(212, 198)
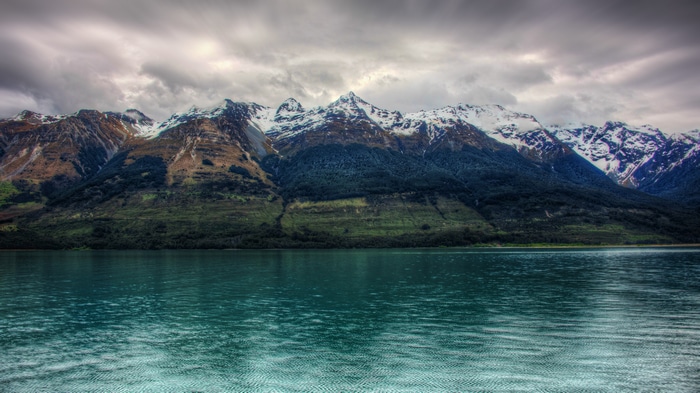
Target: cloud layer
point(561, 60)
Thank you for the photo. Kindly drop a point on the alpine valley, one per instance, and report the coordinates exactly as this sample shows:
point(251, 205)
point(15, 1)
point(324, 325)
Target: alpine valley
point(241, 175)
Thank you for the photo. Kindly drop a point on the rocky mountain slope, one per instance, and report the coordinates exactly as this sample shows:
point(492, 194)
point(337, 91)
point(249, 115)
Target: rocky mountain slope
point(38, 147)
point(640, 157)
point(345, 175)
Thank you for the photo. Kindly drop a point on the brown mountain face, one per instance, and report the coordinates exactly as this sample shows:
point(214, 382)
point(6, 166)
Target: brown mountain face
point(58, 152)
point(208, 149)
point(39, 148)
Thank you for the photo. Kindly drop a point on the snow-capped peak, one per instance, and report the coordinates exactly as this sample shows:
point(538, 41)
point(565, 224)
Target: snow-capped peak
point(349, 97)
point(496, 121)
point(290, 106)
point(355, 107)
point(348, 101)
point(618, 149)
point(489, 118)
point(645, 129)
point(571, 125)
point(132, 118)
point(37, 118)
point(692, 136)
point(219, 109)
point(213, 110)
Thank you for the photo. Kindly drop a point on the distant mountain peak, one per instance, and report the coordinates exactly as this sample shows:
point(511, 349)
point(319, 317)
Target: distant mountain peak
point(138, 116)
point(220, 107)
point(349, 98)
point(290, 106)
point(134, 111)
point(25, 114)
point(37, 118)
point(625, 153)
point(693, 134)
point(223, 104)
point(497, 107)
point(625, 127)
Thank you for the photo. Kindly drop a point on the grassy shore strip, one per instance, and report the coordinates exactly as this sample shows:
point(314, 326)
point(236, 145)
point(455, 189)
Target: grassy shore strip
point(169, 221)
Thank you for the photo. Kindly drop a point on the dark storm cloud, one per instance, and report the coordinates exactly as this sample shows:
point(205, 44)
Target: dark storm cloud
point(18, 70)
point(561, 60)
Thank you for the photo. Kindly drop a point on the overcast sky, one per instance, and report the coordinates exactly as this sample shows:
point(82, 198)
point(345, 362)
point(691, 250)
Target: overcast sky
point(582, 60)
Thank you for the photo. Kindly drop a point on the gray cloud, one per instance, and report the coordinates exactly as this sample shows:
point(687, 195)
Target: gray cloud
point(173, 76)
point(561, 60)
point(18, 70)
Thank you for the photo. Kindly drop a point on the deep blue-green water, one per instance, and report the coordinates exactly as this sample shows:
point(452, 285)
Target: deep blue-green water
point(589, 320)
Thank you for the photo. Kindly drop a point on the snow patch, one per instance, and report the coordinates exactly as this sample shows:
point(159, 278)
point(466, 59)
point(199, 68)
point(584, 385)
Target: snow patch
point(38, 118)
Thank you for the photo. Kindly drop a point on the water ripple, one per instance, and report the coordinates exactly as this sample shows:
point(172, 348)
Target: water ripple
point(329, 321)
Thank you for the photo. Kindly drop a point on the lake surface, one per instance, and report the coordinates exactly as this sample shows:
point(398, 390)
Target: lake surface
point(588, 320)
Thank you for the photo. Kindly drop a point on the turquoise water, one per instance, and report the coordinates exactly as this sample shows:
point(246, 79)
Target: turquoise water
point(590, 320)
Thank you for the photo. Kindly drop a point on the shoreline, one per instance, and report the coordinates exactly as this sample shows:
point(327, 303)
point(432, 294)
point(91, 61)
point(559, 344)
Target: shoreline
point(472, 247)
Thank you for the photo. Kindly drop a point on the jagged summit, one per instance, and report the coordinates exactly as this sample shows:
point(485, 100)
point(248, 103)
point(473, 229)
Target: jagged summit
point(348, 98)
point(214, 109)
point(138, 123)
point(25, 115)
point(289, 106)
point(692, 136)
point(627, 154)
point(487, 117)
point(355, 107)
point(519, 130)
point(136, 114)
point(625, 127)
point(226, 107)
point(37, 118)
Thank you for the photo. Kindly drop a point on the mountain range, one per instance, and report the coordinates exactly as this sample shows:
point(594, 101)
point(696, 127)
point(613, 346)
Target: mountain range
point(349, 174)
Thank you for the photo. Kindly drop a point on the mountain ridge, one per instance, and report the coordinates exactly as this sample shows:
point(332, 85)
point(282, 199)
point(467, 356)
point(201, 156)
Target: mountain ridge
point(160, 125)
point(601, 145)
point(643, 157)
point(239, 174)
